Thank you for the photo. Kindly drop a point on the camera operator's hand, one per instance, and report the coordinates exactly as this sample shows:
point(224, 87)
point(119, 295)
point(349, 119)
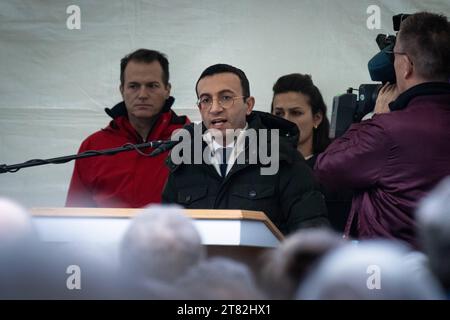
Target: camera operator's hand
point(387, 94)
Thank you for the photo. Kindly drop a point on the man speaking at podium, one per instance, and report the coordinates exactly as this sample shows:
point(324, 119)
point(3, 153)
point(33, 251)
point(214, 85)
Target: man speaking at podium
point(223, 170)
point(129, 179)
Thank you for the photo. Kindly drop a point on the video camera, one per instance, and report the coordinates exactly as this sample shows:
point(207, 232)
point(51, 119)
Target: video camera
point(349, 108)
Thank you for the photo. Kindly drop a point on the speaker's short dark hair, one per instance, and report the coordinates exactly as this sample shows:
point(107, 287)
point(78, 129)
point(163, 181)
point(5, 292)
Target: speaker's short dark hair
point(226, 68)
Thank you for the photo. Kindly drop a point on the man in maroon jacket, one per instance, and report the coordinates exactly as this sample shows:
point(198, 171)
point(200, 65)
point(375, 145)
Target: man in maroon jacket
point(129, 179)
point(395, 158)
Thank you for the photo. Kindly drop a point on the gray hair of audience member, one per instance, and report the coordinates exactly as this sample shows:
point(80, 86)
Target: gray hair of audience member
point(220, 278)
point(22, 270)
point(372, 269)
point(161, 243)
point(433, 219)
point(288, 264)
point(16, 225)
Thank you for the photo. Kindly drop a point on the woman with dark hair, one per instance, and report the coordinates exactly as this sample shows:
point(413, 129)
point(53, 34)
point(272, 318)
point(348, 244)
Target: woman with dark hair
point(297, 99)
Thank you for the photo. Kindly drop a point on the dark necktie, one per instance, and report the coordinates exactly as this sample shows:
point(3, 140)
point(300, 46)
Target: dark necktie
point(225, 155)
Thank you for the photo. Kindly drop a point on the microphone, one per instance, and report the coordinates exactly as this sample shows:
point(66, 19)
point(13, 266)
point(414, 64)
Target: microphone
point(164, 146)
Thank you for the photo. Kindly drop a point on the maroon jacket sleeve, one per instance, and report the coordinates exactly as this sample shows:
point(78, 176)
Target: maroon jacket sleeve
point(79, 195)
point(356, 159)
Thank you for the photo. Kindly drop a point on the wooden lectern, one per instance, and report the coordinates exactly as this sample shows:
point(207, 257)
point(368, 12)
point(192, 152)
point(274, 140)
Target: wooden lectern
point(239, 234)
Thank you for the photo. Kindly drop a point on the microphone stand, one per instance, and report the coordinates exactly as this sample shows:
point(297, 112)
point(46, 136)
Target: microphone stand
point(159, 144)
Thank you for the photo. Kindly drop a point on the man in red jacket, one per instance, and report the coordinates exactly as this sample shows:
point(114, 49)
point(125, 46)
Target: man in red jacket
point(129, 179)
point(398, 156)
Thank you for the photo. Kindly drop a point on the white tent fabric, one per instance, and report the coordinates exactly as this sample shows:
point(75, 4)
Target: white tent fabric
point(55, 81)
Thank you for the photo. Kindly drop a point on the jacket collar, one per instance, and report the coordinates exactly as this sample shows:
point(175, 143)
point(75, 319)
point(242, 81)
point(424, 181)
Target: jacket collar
point(423, 89)
point(263, 120)
point(163, 122)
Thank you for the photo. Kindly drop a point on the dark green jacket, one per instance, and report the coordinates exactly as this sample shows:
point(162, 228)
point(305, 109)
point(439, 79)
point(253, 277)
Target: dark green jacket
point(290, 198)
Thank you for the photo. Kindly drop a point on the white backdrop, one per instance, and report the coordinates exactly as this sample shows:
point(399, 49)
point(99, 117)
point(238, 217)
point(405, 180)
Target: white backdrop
point(55, 82)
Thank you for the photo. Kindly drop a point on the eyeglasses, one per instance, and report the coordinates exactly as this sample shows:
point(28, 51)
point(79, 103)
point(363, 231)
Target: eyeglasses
point(393, 53)
point(224, 101)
